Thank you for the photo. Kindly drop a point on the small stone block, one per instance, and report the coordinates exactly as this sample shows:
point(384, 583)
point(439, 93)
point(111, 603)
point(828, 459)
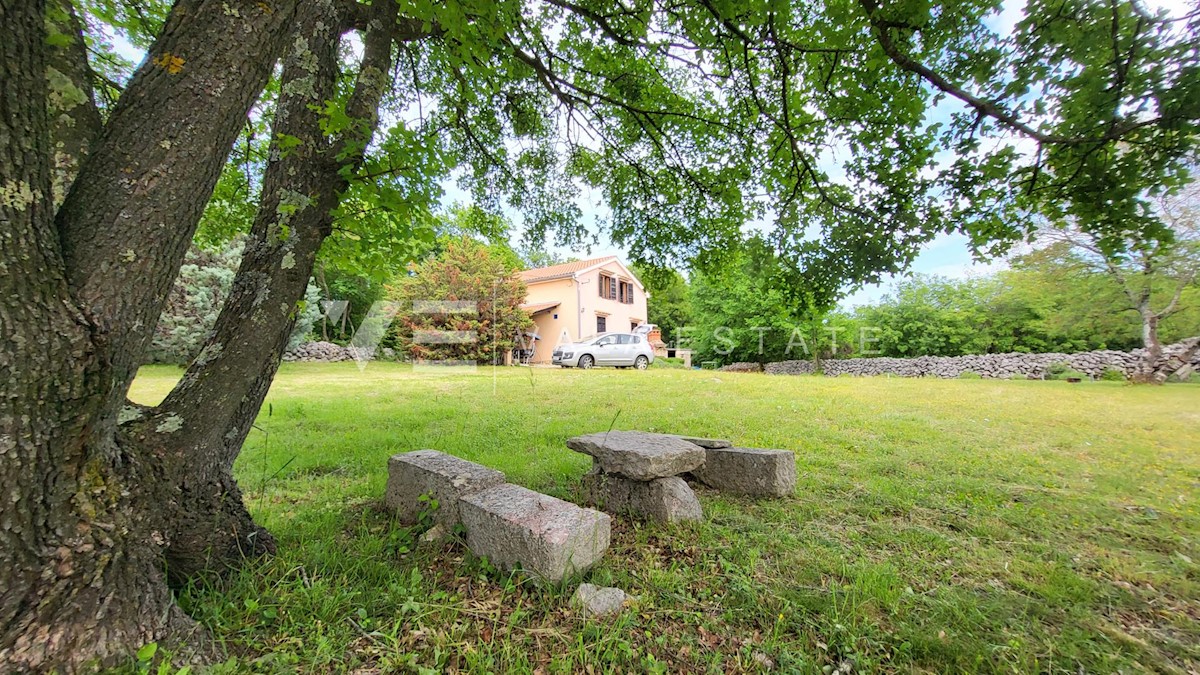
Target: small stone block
point(445, 477)
point(663, 500)
point(544, 535)
point(706, 442)
point(749, 471)
point(639, 455)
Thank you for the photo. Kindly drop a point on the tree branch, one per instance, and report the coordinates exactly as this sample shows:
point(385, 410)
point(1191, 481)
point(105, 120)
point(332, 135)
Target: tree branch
point(987, 108)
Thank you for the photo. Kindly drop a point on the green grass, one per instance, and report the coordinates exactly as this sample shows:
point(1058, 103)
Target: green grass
point(938, 526)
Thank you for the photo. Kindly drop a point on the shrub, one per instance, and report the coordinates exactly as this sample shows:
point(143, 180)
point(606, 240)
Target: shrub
point(193, 304)
point(664, 362)
point(306, 317)
point(1111, 374)
point(196, 299)
point(465, 271)
point(1063, 371)
point(969, 375)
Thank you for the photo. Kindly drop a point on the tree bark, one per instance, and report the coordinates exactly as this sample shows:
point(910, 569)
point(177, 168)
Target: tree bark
point(75, 122)
point(1150, 370)
point(223, 389)
point(77, 583)
point(130, 214)
point(219, 394)
point(81, 524)
point(99, 493)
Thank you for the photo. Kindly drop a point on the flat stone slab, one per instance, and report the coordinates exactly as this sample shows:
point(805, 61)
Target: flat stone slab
point(662, 500)
point(749, 471)
point(444, 477)
point(639, 455)
point(553, 539)
point(705, 442)
point(599, 601)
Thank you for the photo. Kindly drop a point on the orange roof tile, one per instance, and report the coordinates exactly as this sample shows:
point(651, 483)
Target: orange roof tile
point(563, 270)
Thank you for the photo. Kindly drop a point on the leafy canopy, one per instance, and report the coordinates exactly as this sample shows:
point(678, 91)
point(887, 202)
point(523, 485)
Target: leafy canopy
point(847, 133)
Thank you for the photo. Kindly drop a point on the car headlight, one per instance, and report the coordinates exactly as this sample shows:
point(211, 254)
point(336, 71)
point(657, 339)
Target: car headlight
point(567, 355)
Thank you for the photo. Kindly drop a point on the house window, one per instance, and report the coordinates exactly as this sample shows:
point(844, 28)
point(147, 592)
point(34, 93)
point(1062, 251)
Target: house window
point(626, 293)
point(601, 324)
point(632, 326)
point(608, 287)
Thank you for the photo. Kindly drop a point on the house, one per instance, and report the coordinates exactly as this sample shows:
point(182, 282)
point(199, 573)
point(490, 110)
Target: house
point(579, 299)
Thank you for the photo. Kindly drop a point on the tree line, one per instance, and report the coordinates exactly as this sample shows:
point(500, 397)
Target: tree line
point(1050, 299)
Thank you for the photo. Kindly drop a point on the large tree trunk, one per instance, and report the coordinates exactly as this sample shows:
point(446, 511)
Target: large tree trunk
point(78, 581)
point(224, 388)
point(219, 395)
point(100, 493)
point(81, 519)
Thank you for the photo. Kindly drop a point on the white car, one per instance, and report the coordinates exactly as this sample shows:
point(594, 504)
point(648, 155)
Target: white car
point(622, 350)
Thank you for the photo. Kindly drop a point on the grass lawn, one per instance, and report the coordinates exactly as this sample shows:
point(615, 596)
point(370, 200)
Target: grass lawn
point(938, 526)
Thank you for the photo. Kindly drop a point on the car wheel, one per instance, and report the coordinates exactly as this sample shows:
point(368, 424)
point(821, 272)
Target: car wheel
point(586, 362)
point(641, 363)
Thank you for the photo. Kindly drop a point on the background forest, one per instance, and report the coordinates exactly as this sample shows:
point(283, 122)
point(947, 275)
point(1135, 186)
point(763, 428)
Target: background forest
point(1048, 300)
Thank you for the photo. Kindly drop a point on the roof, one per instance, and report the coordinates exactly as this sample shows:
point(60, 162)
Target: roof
point(535, 307)
point(571, 269)
point(563, 270)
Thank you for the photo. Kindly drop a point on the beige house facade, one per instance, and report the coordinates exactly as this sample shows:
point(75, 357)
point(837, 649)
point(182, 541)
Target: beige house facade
point(580, 299)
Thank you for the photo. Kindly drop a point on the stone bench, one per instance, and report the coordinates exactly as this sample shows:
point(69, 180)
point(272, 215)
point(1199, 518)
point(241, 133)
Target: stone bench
point(444, 477)
point(749, 471)
point(549, 537)
point(639, 455)
point(637, 473)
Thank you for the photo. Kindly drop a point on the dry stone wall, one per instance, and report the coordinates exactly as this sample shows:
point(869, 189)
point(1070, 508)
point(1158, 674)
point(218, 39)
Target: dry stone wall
point(328, 351)
point(318, 351)
point(985, 365)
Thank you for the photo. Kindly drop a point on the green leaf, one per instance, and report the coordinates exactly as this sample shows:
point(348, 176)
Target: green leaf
point(147, 652)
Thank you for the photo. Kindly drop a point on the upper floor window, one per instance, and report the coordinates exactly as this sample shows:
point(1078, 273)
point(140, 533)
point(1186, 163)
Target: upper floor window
point(625, 292)
point(608, 286)
point(613, 289)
